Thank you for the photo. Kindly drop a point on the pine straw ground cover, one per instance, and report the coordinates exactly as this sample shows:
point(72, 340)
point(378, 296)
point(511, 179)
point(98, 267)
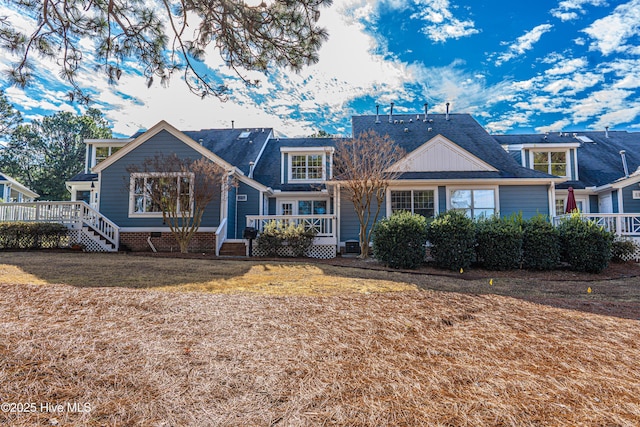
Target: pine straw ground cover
point(358, 357)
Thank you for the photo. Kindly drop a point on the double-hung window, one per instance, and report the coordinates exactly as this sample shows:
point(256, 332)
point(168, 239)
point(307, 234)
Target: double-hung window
point(103, 152)
point(150, 193)
point(307, 167)
point(421, 202)
point(475, 203)
point(551, 162)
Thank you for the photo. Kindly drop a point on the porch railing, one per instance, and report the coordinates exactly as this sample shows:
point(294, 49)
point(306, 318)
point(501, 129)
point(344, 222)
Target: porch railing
point(221, 235)
point(75, 215)
point(620, 224)
point(324, 225)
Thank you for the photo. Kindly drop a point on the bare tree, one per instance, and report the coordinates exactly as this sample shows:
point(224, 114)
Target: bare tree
point(163, 37)
point(179, 188)
point(363, 167)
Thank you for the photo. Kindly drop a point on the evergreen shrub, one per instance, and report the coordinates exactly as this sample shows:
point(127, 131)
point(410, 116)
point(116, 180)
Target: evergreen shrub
point(540, 244)
point(31, 235)
point(586, 246)
point(453, 237)
point(400, 241)
point(499, 243)
point(276, 236)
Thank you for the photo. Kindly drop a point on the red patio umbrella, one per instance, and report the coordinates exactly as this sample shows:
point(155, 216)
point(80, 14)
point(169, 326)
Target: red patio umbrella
point(571, 202)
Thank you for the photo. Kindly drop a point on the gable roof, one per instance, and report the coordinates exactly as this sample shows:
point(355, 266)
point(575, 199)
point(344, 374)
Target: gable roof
point(411, 131)
point(599, 159)
point(6, 179)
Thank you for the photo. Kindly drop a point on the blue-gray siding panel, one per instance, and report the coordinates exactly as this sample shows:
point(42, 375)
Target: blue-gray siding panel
point(349, 225)
point(231, 213)
point(614, 201)
point(528, 199)
point(573, 163)
point(250, 207)
point(630, 205)
point(272, 206)
point(114, 185)
point(593, 204)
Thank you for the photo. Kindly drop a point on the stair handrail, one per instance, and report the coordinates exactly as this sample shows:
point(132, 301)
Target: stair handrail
point(101, 224)
point(221, 235)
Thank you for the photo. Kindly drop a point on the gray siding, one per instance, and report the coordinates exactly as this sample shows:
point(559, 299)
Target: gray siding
point(114, 185)
point(250, 207)
point(572, 161)
point(630, 205)
point(614, 201)
point(349, 225)
point(528, 199)
point(272, 206)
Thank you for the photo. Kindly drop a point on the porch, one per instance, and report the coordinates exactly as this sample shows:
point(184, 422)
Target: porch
point(623, 225)
point(326, 242)
point(86, 225)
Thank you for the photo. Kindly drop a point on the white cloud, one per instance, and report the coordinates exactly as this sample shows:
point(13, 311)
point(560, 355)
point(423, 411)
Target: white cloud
point(554, 127)
point(441, 23)
point(523, 43)
point(610, 34)
point(571, 9)
point(567, 67)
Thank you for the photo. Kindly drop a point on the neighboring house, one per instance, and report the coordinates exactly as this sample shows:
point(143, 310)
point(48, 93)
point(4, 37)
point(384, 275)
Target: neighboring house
point(452, 162)
point(601, 167)
point(11, 191)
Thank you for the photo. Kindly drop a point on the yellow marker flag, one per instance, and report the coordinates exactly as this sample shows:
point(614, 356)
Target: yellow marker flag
point(589, 290)
point(490, 282)
point(461, 270)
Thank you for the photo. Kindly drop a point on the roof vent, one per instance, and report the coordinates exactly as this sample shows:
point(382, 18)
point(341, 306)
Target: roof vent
point(624, 163)
point(406, 129)
point(447, 116)
point(410, 120)
point(232, 124)
point(429, 129)
point(391, 113)
point(377, 113)
point(426, 110)
point(401, 121)
point(395, 122)
point(606, 131)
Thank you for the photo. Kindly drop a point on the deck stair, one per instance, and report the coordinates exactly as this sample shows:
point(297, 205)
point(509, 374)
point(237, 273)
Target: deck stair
point(233, 249)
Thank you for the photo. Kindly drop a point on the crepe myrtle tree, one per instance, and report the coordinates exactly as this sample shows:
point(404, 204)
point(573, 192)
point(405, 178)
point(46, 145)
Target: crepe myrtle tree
point(179, 188)
point(161, 37)
point(364, 167)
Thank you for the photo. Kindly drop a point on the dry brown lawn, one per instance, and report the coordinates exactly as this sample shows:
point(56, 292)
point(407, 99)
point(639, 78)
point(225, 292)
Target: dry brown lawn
point(163, 342)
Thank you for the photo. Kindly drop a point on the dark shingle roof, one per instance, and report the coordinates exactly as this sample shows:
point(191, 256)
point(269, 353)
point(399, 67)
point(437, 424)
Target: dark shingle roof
point(83, 177)
point(410, 131)
point(599, 161)
point(267, 171)
point(230, 146)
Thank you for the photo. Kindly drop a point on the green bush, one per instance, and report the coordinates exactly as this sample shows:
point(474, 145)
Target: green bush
point(586, 246)
point(499, 243)
point(452, 236)
point(31, 235)
point(399, 241)
point(276, 235)
point(623, 250)
point(540, 244)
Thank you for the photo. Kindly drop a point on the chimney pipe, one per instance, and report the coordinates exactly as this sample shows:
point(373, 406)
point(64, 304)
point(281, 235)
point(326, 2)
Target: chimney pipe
point(391, 113)
point(377, 113)
point(232, 125)
point(606, 131)
point(447, 116)
point(426, 110)
point(624, 163)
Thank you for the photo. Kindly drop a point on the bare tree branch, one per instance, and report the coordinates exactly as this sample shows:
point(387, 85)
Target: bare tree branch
point(363, 168)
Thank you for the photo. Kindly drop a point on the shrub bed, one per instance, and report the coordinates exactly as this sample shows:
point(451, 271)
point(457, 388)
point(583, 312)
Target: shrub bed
point(540, 244)
point(276, 235)
point(31, 235)
point(586, 246)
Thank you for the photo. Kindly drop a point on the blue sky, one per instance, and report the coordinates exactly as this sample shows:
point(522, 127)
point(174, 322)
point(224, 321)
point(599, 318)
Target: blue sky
point(516, 66)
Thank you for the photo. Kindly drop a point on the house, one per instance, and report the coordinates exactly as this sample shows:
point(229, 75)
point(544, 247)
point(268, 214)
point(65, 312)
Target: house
point(451, 162)
point(11, 191)
point(601, 167)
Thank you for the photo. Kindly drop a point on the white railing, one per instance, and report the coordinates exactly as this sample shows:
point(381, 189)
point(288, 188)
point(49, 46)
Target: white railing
point(221, 235)
point(75, 215)
point(324, 225)
point(620, 224)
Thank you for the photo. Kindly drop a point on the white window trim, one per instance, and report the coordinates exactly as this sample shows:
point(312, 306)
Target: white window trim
point(436, 208)
point(583, 199)
point(295, 201)
point(567, 156)
point(495, 188)
point(306, 180)
point(132, 212)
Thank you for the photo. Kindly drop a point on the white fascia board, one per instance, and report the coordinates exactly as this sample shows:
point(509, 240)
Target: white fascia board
point(321, 149)
point(113, 142)
point(552, 146)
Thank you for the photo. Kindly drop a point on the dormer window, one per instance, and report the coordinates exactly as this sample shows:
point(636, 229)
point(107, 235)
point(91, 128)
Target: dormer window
point(103, 152)
point(306, 164)
point(306, 167)
point(551, 162)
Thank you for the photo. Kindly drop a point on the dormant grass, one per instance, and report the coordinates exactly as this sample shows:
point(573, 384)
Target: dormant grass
point(355, 357)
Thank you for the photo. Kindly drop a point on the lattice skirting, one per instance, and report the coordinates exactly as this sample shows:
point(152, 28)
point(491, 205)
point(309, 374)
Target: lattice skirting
point(90, 245)
point(315, 251)
point(636, 255)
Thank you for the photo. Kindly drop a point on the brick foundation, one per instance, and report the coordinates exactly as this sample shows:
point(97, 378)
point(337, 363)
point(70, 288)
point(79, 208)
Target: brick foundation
point(137, 242)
